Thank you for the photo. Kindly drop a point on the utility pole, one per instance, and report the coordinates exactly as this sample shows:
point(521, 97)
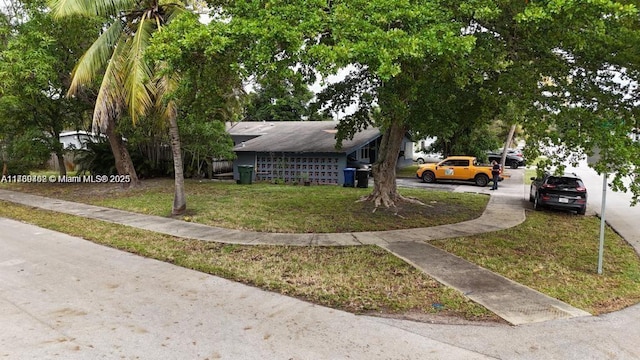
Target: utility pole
point(602, 223)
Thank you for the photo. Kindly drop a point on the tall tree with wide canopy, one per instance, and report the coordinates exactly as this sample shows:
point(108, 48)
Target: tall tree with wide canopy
point(427, 64)
point(384, 43)
point(128, 81)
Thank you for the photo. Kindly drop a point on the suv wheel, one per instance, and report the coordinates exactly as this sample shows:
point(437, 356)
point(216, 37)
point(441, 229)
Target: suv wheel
point(536, 203)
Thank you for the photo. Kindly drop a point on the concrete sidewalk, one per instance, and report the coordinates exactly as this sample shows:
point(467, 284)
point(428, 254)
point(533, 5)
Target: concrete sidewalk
point(513, 302)
point(501, 213)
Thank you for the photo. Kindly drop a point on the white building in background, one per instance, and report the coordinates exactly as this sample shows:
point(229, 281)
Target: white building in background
point(71, 140)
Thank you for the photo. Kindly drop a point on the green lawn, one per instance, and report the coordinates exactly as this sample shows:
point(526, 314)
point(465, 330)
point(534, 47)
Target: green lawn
point(275, 208)
point(556, 253)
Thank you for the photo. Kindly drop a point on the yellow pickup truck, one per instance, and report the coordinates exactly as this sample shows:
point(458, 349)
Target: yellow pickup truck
point(460, 168)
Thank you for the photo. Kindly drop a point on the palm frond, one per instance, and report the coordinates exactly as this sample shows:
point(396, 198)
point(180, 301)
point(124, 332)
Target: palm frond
point(62, 8)
point(172, 9)
point(95, 58)
point(137, 86)
point(165, 88)
point(110, 99)
point(119, 50)
point(113, 7)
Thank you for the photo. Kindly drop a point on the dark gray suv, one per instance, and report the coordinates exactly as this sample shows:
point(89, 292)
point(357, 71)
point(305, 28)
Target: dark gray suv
point(514, 158)
point(566, 192)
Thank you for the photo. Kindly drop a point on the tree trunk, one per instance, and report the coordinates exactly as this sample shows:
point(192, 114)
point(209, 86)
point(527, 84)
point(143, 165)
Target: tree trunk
point(58, 149)
point(503, 160)
point(124, 165)
point(384, 170)
point(209, 167)
point(5, 166)
point(179, 198)
point(61, 165)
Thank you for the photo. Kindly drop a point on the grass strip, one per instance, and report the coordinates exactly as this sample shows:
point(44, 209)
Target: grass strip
point(556, 253)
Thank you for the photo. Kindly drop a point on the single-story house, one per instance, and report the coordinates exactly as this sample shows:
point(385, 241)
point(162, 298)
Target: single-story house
point(294, 150)
point(77, 139)
point(71, 140)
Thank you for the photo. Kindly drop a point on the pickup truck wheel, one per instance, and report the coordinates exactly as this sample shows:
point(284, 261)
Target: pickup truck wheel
point(428, 177)
point(482, 180)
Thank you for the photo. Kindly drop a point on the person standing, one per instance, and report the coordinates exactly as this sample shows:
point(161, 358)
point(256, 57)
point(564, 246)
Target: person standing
point(495, 171)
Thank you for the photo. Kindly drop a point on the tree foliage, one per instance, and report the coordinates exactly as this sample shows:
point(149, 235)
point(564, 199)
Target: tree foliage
point(210, 91)
point(282, 100)
point(37, 59)
point(588, 97)
point(449, 68)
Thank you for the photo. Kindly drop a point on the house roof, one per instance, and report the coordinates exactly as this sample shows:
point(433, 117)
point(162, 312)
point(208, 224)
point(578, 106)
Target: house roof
point(296, 136)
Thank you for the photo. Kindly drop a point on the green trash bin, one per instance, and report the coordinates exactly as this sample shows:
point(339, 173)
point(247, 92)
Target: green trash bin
point(246, 174)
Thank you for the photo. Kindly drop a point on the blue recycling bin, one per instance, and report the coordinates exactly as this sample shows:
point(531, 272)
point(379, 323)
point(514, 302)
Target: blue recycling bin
point(349, 177)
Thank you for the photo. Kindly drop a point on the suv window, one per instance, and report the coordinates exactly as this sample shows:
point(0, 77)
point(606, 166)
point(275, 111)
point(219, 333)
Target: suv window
point(566, 182)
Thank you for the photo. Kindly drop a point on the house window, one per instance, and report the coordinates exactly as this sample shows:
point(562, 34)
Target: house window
point(364, 153)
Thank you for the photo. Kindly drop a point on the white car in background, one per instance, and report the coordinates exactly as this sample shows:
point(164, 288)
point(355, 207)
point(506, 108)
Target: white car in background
point(422, 157)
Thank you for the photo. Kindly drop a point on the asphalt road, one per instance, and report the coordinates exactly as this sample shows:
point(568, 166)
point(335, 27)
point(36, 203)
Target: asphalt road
point(618, 211)
point(419, 184)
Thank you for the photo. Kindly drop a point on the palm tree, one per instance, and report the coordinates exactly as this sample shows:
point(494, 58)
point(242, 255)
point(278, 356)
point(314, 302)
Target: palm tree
point(128, 82)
